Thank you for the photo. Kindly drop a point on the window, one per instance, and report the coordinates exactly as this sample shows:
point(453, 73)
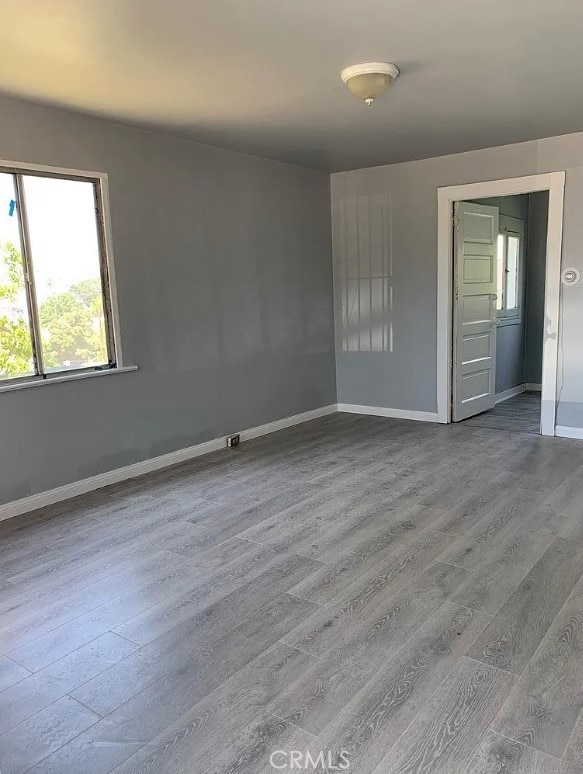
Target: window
point(509, 268)
point(55, 304)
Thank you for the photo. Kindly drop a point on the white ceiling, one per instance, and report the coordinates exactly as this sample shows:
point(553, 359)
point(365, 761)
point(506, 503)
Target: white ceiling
point(262, 76)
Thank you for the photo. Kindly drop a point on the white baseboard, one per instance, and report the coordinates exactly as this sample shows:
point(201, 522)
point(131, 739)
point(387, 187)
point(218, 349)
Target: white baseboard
point(52, 496)
point(281, 424)
point(531, 387)
point(502, 396)
point(569, 432)
point(420, 416)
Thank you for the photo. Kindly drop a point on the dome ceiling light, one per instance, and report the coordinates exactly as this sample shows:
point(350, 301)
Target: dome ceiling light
point(369, 80)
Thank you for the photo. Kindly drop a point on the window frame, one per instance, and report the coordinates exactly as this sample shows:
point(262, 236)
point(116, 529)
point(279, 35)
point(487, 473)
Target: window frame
point(511, 226)
point(106, 268)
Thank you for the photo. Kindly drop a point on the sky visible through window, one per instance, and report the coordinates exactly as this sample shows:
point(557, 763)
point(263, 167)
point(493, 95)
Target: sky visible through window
point(66, 264)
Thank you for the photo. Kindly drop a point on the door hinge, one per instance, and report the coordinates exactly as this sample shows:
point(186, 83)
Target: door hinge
point(455, 221)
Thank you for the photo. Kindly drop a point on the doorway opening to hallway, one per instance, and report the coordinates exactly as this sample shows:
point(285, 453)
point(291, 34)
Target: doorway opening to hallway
point(498, 303)
point(499, 266)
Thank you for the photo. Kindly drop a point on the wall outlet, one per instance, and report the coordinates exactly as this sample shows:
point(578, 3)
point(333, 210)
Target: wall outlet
point(233, 440)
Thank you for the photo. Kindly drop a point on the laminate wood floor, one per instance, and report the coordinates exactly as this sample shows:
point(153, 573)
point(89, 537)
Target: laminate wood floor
point(520, 414)
point(407, 597)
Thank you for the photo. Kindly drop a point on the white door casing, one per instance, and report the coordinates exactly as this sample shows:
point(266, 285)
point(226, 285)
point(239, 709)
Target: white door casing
point(474, 309)
point(554, 183)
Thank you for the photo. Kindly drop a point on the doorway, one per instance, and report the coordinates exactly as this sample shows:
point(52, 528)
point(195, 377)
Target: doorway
point(498, 315)
point(487, 293)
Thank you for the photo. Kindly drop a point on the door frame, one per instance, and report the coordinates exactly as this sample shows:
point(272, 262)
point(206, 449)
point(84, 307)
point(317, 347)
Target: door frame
point(554, 183)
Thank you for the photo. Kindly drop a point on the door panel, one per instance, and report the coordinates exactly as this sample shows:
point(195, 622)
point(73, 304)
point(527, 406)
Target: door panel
point(477, 270)
point(474, 323)
point(475, 347)
point(476, 310)
point(476, 384)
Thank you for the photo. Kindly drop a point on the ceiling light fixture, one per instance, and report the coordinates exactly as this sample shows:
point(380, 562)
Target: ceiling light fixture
point(369, 80)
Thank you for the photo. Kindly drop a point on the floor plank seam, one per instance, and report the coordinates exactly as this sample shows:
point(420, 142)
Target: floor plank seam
point(471, 609)
point(21, 666)
point(529, 746)
point(98, 718)
point(95, 712)
point(289, 722)
point(450, 564)
point(577, 723)
point(85, 612)
point(499, 669)
point(255, 542)
point(301, 650)
point(322, 562)
point(44, 634)
point(125, 637)
point(439, 532)
point(33, 671)
point(305, 599)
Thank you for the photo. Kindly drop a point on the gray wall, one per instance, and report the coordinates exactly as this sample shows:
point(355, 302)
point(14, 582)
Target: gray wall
point(535, 285)
point(387, 217)
point(223, 265)
point(510, 355)
point(510, 337)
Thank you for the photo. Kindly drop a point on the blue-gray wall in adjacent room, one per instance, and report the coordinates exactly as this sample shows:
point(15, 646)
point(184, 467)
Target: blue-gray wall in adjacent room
point(224, 278)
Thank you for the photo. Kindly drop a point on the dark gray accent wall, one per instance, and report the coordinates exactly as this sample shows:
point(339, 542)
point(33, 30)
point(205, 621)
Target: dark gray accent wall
point(224, 279)
point(402, 374)
point(535, 286)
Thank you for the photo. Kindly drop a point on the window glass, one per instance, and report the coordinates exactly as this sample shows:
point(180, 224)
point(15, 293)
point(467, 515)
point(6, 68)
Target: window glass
point(16, 357)
point(512, 272)
point(500, 272)
point(65, 257)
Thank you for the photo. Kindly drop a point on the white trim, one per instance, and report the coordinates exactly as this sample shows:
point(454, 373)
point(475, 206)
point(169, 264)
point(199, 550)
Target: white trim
point(569, 432)
point(107, 232)
point(552, 306)
point(282, 424)
point(379, 411)
point(532, 387)
point(554, 182)
point(368, 68)
point(42, 499)
point(511, 393)
point(40, 382)
point(108, 238)
point(50, 170)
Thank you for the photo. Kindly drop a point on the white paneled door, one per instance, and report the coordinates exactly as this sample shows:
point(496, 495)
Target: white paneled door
point(474, 317)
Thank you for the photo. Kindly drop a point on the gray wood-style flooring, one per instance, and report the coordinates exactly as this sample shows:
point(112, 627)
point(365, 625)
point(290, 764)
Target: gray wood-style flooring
point(520, 414)
point(406, 595)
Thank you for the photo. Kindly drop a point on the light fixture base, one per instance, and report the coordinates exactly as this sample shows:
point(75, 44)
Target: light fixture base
point(369, 80)
point(368, 68)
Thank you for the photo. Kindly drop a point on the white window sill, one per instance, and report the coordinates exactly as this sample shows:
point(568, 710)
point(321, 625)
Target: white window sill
point(37, 382)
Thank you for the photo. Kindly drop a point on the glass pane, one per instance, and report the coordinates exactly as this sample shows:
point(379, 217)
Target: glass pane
point(16, 357)
point(512, 273)
point(65, 257)
point(500, 272)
